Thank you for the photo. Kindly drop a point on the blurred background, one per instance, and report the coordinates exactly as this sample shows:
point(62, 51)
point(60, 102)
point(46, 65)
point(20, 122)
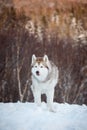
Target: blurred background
point(57, 28)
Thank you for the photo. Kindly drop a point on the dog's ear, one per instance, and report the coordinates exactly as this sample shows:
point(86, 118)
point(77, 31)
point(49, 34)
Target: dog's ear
point(45, 58)
point(33, 58)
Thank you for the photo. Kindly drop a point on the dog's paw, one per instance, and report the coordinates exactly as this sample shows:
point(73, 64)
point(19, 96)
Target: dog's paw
point(52, 109)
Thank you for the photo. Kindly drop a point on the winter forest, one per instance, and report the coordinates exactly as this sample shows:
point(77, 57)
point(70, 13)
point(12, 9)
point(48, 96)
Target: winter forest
point(57, 28)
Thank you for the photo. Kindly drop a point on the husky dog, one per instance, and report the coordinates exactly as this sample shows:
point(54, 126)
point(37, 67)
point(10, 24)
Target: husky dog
point(44, 79)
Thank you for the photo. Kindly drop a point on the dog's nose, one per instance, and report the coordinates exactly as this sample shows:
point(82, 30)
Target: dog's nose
point(37, 72)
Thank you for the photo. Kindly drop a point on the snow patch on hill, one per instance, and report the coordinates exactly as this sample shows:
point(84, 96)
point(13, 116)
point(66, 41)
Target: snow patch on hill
point(28, 116)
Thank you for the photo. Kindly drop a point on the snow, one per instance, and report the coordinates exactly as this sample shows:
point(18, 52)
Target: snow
point(28, 116)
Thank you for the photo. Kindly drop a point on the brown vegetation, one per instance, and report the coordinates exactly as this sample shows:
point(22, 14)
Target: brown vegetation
point(44, 30)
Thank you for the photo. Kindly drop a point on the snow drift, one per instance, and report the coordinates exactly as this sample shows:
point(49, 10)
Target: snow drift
point(28, 116)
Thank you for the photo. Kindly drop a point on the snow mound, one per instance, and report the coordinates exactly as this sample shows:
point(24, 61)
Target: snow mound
point(28, 116)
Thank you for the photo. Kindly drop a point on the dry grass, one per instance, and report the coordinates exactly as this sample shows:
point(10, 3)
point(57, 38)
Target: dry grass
point(44, 30)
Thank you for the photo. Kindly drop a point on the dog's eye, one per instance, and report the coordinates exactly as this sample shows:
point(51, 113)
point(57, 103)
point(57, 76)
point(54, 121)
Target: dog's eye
point(35, 66)
point(41, 66)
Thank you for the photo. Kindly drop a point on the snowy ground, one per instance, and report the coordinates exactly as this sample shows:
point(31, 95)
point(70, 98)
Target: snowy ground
point(28, 116)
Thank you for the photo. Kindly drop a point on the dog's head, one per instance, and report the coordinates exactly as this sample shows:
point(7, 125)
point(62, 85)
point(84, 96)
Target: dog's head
point(40, 67)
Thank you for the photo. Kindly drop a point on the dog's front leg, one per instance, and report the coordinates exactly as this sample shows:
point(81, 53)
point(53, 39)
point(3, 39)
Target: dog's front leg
point(37, 97)
point(50, 96)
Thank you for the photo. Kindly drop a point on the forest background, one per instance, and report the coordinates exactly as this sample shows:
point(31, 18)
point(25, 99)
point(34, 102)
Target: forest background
point(57, 28)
